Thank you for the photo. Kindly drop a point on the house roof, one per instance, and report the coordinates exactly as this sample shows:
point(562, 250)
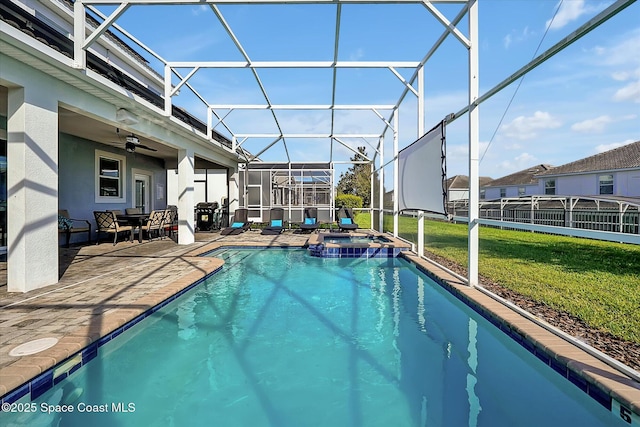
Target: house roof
point(523, 177)
point(462, 182)
point(625, 157)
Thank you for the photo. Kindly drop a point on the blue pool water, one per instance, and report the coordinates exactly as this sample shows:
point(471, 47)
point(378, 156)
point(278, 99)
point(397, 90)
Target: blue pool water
point(280, 338)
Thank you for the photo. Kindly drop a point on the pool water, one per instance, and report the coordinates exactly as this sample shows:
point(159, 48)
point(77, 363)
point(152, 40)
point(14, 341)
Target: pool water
point(356, 239)
point(280, 338)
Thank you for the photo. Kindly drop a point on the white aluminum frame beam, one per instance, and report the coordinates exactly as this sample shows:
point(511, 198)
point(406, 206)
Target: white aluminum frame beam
point(307, 135)
point(474, 150)
point(248, 2)
point(300, 107)
point(294, 64)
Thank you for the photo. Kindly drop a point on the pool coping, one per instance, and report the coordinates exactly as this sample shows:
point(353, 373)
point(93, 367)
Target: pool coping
point(37, 370)
point(608, 386)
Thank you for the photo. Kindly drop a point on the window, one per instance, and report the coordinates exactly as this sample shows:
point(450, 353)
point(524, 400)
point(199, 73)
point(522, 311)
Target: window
point(550, 186)
point(483, 194)
point(521, 191)
point(606, 184)
point(503, 192)
point(110, 177)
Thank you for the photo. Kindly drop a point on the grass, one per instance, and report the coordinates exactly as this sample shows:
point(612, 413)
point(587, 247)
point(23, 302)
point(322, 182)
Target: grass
point(598, 282)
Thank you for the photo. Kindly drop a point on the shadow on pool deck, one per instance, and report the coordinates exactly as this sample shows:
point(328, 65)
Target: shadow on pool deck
point(101, 287)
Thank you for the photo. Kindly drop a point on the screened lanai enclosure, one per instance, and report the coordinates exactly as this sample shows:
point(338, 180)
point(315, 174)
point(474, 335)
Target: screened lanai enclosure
point(295, 140)
point(291, 186)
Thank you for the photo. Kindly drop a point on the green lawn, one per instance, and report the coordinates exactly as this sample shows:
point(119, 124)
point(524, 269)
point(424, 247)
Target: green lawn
point(598, 282)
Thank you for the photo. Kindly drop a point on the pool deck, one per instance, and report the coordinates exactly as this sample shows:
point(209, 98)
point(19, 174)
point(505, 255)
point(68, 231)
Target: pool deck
point(103, 287)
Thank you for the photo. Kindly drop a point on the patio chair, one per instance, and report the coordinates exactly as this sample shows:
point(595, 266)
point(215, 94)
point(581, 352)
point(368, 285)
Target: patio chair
point(107, 223)
point(276, 222)
point(240, 223)
point(155, 224)
point(133, 211)
point(170, 220)
point(68, 225)
point(345, 220)
point(310, 222)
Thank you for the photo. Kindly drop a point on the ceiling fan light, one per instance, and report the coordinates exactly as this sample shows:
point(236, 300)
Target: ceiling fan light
point(130, 147)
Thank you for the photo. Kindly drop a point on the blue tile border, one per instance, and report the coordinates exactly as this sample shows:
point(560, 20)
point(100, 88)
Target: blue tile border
point(599, 394)
point(322, 251)
point(45, 381)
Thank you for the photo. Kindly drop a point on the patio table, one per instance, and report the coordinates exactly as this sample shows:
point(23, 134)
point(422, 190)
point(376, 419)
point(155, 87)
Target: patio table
point(135, 221)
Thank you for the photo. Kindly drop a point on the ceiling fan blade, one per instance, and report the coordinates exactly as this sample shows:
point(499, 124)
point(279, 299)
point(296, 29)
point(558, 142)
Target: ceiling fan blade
point(145, 147)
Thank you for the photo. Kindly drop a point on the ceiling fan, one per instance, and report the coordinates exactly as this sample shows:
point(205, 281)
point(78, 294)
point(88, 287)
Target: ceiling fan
point(132, 142)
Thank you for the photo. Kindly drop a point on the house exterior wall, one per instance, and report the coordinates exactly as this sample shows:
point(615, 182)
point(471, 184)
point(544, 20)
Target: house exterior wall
point(210, 185)
point(77, 177)
point(41, 185)
point(458, 194)
point(625, 183)
point(511, 191)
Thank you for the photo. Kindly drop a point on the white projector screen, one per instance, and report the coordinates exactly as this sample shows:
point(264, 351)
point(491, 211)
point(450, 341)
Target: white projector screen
point(422, 173)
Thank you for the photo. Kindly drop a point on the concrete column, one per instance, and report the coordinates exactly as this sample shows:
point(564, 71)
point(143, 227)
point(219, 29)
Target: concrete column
point(32, 189)
point(234, 191)
point(186, 198)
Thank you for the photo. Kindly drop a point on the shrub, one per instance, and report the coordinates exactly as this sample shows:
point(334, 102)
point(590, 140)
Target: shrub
point(348, 201)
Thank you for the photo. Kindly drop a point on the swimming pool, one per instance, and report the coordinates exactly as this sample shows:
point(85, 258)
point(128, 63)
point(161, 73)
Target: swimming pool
point(280, 338)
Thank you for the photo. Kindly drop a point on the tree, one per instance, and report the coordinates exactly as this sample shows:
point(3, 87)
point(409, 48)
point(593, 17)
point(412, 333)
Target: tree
point(357, 179)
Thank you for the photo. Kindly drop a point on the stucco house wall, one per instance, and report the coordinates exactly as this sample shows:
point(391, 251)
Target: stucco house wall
point(77, 177)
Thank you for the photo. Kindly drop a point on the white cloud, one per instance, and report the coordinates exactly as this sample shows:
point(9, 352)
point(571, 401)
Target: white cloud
point(357, 55)
point(519, 162)
point(203, 8)
point(621, 76)
point(461, 151)
point(516, 37)
point(606, 147)
point(507, 41)
point(592, 125)
point(527, 127)
point(513, 146)
point(630, 92)
point(570, 11)
point(618, 52)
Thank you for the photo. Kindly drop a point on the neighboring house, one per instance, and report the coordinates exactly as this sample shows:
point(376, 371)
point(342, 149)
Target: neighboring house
point(518, 184)
point(612, 173)
point(458, 187)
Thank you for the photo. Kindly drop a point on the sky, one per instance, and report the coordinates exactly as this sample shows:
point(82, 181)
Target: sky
point(583, 101)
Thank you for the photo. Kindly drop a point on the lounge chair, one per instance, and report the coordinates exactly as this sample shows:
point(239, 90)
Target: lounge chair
point(276, 222)
point(240, 223)
point(68, 225)
point(107, 223)
point(345, 220)
point(310, 222)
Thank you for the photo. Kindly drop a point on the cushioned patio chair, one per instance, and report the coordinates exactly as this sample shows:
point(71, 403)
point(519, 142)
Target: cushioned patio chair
point(240, 223)
point(310, 222)
point(68, 225)
point(345, 220)
point(155, 224)
point(276, 222)
point(107, 223)
point(170, 220)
